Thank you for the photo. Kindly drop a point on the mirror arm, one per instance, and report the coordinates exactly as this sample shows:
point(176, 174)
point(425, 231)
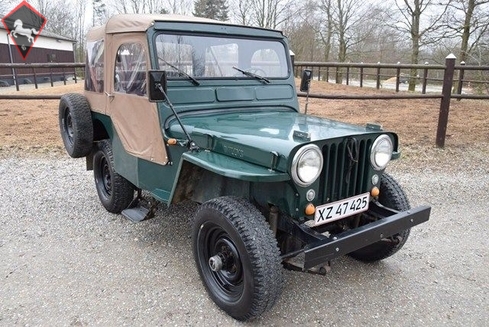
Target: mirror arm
point(190, 143)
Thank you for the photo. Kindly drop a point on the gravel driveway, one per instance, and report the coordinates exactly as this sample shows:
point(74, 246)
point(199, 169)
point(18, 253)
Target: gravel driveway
point(65, 261)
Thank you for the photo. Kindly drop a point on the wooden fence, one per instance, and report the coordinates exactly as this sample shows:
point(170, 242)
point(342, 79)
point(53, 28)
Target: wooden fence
point(450, 76)
point(39, 73)
point(452, 79)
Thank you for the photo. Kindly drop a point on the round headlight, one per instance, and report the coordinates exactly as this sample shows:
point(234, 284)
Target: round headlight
point(381, 152)
point(307, 165)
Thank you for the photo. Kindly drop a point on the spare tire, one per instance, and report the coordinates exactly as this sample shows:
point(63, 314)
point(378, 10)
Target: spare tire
point(75, 124)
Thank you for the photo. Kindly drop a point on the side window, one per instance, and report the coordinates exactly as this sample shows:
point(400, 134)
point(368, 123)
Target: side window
point(94, 68)
point(130, 69)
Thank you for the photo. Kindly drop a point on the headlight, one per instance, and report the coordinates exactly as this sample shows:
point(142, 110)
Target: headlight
point(307, 165)
point(381, 152)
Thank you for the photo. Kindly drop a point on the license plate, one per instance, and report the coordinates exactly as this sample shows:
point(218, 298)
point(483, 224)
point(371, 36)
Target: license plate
point(340, 209)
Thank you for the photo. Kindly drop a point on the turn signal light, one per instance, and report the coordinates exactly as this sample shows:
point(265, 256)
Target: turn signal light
point(310, 209)
point(375, 192)
point(172, 141)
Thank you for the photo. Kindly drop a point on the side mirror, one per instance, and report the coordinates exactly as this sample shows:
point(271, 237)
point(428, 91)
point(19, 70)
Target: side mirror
point(305, 80)
point(157, 83)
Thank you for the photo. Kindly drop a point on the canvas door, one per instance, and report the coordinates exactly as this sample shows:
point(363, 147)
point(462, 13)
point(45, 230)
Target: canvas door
point(135, 119)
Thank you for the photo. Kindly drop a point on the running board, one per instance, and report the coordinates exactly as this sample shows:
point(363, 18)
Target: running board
point(137, 214)
point(140, 209)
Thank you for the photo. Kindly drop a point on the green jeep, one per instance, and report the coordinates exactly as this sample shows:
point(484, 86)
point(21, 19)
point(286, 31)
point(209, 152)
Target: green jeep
point(181, 108)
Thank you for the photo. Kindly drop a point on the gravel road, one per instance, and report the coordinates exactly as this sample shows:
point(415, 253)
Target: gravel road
point(65, 261)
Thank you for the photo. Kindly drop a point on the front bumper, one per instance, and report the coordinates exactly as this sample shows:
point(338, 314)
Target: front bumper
point(393, 222)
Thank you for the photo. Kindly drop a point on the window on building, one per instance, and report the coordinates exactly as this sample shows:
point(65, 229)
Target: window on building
point(51, 57)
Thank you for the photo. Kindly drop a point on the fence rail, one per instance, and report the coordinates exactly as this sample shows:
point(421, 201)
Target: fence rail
point(451, 73)
point(38, 73)
point(450, 76)
point(379, 72)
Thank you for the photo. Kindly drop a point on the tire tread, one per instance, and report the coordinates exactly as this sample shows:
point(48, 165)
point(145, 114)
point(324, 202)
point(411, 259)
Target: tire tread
point(262, 249)
point(392, 196)
point(82, 124)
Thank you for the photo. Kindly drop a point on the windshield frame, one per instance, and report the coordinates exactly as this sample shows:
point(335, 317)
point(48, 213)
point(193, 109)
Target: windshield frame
point(247, 47)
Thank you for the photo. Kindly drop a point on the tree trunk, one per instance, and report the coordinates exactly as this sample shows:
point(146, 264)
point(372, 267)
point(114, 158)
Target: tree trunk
point(341, 58)
point(466, 30)
point(415, 41)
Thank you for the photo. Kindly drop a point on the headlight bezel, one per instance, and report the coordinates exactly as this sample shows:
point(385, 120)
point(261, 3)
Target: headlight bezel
point(299, 156)
point(377, 146)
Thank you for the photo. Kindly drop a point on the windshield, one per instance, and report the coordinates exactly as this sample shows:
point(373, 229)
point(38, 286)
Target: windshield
point(215, 57)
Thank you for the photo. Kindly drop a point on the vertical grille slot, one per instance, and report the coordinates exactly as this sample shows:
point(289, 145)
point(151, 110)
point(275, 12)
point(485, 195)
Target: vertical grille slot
point(345, 171)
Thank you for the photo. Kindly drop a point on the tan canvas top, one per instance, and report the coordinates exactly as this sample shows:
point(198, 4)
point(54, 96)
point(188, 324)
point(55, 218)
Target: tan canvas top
point(124, 23)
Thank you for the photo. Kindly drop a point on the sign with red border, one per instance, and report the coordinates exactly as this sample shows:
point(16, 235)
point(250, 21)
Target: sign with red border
point(24, 24)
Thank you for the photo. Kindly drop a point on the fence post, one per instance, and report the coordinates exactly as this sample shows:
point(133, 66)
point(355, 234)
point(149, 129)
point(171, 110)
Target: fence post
point(361, 75)
point(460, 80)
point(425, 79)
point(398, 76)
point(445, 100)
point(378, 77)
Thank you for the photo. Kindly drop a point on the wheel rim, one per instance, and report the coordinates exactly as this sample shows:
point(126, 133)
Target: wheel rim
point(104, 180)
point(68, 124)
point(226, 282)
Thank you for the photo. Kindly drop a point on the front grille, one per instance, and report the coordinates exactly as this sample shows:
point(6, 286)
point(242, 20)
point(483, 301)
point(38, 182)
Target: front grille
point(345, 170)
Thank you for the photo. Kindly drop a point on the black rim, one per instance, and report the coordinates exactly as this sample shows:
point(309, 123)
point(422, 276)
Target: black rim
point(105, 178)
point(225, 282)
point(68, 123)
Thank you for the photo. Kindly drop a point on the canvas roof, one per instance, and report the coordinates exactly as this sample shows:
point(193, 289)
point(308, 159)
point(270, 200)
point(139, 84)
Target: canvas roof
point(123, 23)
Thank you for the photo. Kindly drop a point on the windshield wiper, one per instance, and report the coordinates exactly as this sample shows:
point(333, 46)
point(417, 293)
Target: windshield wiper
point(181, 72)
point(250, 74)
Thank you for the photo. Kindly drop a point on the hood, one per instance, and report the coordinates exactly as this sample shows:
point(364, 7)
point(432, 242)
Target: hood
point(264, 138)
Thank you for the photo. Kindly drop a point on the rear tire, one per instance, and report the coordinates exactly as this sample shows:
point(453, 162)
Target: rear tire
point(75, 124)
point(114, 191)
point(391, 196)
point(237, 257)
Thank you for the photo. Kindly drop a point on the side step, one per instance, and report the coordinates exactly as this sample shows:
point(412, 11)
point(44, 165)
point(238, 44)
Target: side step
point(140, 209)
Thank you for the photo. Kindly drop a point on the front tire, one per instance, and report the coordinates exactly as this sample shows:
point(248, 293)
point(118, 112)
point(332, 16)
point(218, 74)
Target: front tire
point(391, 196)
point(114, 191)
point(237, 257)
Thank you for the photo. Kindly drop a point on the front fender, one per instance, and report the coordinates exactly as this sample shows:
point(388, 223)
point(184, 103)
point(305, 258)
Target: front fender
point(204, 174)
point(233, 167)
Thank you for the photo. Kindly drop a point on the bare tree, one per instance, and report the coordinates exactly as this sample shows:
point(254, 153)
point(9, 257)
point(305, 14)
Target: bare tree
point(180, 7)
point(99, 12)
point(302, 31)
point(327, 30)
point(349, 22)
point(5, 6)
point(242, 13)
point(264, 13)
point(150, 6)
point(469, 21)
point(412, 14)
